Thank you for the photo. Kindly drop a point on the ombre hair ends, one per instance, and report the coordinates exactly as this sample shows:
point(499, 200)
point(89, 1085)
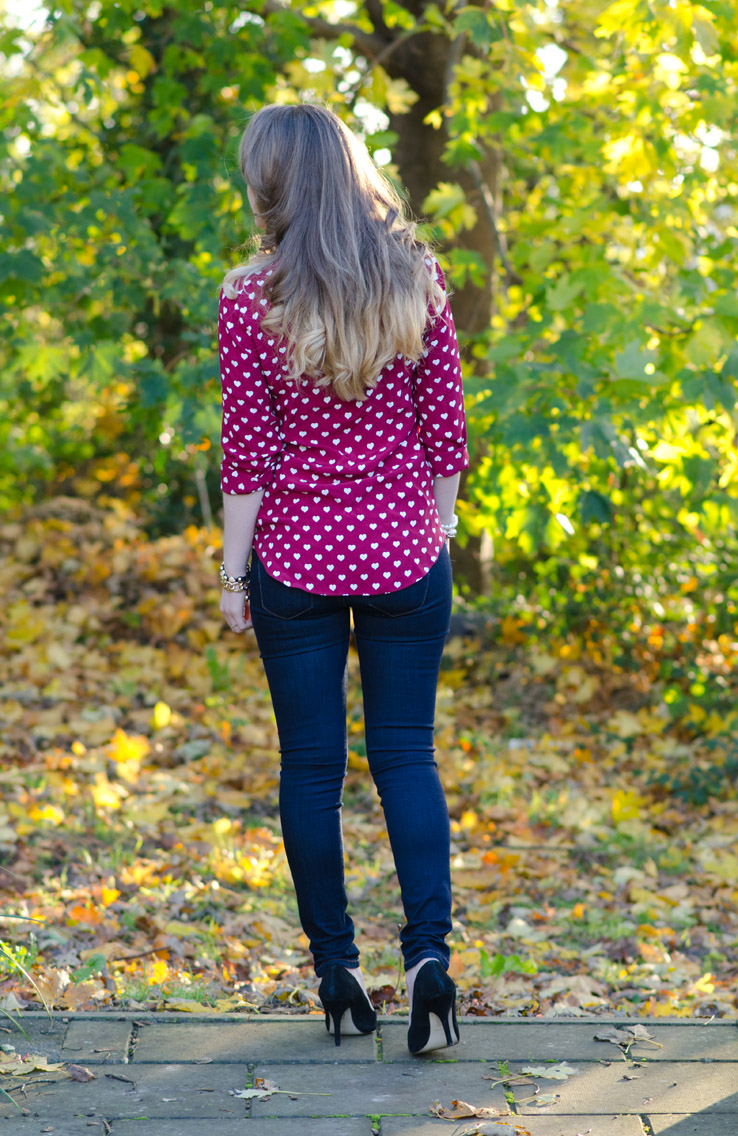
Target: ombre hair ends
point(350, 283)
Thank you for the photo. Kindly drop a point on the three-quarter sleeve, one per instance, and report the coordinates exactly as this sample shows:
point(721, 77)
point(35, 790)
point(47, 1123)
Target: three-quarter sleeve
point(439, 395)
point(251, 437)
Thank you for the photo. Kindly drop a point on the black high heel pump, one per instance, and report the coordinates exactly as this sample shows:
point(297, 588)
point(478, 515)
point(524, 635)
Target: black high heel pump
point(433, 1022)
point(345, 1003)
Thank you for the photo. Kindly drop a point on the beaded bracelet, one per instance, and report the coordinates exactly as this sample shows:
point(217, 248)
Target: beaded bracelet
point(450, 528)
point(234, 583)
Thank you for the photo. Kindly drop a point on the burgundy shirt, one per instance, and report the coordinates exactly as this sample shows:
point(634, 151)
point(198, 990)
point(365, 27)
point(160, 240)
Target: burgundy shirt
point(348, 507)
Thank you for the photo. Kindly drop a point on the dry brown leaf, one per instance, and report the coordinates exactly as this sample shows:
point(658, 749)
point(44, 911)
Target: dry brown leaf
point(540, 1100)
point(20, 1066)
point(493, 1128)
point(77, 994)
point(626, 1036)
point(72, 690)
point(460, 1110)
point(640, 1033)
point(266, 1085)
point(616, 1036)
point(80, 1073)
point(50, 983)
point(249, 1094)
point(560, 1072)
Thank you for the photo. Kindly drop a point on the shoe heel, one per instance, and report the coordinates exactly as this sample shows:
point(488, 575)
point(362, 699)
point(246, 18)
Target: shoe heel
point(433, 1011)
point(340, 995)
point(336, 1013)
point(442, 1005)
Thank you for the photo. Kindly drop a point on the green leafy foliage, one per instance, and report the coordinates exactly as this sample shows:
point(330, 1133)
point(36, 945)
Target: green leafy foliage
point(118, 139)
point(504, 964)
point(610, 394)
point(602, 390)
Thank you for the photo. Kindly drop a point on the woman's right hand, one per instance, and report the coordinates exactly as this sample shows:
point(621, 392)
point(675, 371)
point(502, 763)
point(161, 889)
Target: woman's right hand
point(236, 611)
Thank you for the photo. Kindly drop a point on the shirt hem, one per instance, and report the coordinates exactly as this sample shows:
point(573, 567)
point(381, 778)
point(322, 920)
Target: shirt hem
point(349, 594)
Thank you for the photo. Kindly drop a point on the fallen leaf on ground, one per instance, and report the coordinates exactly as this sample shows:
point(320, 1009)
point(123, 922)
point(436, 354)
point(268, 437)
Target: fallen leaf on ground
point(583, 989)
point(493, 1128)
point(626, 1036)
point(460, 1110)
point(80, 1073)
point(616, 1036)
point(560, 1072)
point(189, 1006)
point(22, 1065)
point(513, 1079)
point(10, 1002)
point(115, 724)
point(541, 1100)
point(640, 1033)
point(264, 1090)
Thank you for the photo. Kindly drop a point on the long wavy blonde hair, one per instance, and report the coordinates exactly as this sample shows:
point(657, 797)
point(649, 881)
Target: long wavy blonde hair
point(350, 282)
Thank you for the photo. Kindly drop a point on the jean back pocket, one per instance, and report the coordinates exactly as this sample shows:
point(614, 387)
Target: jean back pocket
point(274, 597)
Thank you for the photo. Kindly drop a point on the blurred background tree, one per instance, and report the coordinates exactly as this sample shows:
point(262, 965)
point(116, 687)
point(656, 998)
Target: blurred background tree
point(576, 162)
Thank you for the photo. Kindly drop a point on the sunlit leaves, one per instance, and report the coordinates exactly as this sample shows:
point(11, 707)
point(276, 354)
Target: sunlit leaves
point(589, 821)
point(618, 186)
point(478, 24)
point(465, 265)
point(630, 158)
point(448, 204)
point(393, 94)
point(612, 192)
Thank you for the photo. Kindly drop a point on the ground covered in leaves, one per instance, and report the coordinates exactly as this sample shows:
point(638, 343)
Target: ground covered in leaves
point(140, 855)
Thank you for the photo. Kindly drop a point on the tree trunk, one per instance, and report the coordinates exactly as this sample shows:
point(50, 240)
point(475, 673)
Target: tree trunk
point(425, 62)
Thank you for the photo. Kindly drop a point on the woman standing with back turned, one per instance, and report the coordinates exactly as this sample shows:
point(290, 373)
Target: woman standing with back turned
point(343, 438)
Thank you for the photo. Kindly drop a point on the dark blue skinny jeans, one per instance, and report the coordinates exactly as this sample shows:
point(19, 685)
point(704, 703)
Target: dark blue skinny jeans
point(304, 640)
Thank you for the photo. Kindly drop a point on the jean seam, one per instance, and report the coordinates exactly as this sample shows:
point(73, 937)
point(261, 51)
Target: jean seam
point(386, 642)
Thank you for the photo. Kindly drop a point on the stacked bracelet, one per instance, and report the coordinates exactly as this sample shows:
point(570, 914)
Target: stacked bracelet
point(449, 530)
point(234, 583)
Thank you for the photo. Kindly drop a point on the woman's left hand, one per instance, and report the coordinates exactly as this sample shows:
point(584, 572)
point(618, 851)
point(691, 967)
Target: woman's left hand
point(236, 611)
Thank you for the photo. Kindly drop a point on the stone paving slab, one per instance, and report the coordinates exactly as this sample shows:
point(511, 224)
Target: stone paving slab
point(367, 1090)
point(97, 1041)
point(661, 1087)
point(566, 1041)
point(306, 1040)
point(535, 1125)
point(46, 1038)
point(167, 1091)
point(341, 1126)
point(581, 1125)
point(179, 1017)
point(34, 1126)
point(706, 1125)
point(394, 1045)
point(689, 1087)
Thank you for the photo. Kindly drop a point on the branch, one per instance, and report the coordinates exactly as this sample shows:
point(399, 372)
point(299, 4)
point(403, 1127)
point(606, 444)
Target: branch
point(353, 91)
point(455, 52)
point(369, 44)
point(489, 208)
point(376, 15)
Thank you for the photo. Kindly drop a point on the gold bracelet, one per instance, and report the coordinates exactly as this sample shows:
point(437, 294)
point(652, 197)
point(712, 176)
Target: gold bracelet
point(234, 583)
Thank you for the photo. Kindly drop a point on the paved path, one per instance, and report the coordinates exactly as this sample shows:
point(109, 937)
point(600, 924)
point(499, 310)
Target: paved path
point(175, 1075)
